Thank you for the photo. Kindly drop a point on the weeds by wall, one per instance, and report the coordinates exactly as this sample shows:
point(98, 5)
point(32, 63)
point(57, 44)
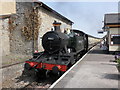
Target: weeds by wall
point(32, 24)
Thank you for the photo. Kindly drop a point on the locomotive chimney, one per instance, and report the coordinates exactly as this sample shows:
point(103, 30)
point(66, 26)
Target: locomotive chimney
point(57, 26)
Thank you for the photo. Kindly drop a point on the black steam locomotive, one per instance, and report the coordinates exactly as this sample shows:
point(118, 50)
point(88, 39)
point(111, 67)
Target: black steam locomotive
point(61, 50)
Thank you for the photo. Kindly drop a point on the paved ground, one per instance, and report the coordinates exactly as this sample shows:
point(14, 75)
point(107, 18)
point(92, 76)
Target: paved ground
point(94, 71)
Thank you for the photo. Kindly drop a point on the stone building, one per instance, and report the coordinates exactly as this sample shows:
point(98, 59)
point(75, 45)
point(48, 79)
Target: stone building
point(6, 10)
point(31, 20)
point(4, 37)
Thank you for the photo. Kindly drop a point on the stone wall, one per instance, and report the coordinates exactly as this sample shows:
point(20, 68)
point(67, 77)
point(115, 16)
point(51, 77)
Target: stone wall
point(18, 42)
point(17, 31)
point(4, 37)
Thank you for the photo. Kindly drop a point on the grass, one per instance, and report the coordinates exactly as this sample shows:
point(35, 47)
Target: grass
point(118, 61)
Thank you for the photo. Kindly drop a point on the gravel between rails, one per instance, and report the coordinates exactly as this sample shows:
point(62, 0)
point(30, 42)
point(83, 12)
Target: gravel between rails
point(34, 85)
point(43, 82)
point(12, 77)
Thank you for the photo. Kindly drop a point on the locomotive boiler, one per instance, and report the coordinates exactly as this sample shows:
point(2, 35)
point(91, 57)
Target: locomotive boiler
point(61, 50)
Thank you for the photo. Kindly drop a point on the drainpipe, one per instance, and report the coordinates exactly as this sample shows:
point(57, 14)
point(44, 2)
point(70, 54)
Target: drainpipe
point(33, 30)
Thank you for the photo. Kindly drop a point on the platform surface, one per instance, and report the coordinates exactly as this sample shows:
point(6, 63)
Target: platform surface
point(95, 71)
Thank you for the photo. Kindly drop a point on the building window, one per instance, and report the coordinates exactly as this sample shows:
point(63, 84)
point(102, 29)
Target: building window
point(115, 39)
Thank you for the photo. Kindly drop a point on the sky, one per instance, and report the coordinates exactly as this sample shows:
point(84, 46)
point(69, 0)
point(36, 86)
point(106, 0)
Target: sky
point(87, 16)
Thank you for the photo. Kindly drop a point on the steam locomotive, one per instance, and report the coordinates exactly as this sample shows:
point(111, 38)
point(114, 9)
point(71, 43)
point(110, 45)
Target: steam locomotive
point(61, 51)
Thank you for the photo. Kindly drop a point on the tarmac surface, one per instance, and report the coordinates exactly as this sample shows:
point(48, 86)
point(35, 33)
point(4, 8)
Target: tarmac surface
point(95, 71)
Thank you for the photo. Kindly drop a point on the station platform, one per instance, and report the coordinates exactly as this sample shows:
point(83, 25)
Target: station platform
point(95, 70)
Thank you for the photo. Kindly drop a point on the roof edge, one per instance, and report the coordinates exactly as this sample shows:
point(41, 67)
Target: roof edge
point(50, 9)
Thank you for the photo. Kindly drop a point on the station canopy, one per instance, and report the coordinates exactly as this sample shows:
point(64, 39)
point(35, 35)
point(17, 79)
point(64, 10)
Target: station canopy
point(112, 20)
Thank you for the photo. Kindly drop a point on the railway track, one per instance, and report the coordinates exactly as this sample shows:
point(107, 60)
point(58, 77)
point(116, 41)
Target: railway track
point(11, 65)
point(34, 85)
point(43, 83)
point(48, 82)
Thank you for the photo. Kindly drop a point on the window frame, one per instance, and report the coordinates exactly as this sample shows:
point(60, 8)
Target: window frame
point(111, 35)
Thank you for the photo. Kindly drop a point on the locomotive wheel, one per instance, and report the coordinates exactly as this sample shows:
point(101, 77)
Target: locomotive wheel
point(77, 58)
point(69, 65)
point(55, 76)
point(47, 74)
point(29, 73)
point(40, 74)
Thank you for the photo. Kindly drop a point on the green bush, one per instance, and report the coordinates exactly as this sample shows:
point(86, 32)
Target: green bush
point(118, 61)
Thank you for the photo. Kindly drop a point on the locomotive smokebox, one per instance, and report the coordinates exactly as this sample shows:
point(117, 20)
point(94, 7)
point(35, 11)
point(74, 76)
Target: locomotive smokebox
point(54, 41)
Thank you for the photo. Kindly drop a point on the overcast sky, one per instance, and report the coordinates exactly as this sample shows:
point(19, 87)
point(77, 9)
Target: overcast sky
point(87, 16)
